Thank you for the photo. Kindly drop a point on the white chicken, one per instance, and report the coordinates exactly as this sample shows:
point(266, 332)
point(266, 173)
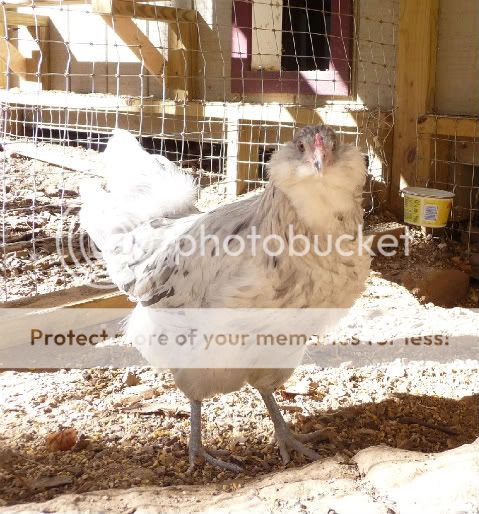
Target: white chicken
point(315, 186)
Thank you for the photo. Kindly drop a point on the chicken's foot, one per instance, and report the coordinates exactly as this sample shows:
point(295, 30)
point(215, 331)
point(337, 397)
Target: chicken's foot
point(286, 438)
point(197, 452)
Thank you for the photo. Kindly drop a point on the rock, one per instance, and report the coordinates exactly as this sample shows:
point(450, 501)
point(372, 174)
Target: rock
point(474, 260)
point(441, 483)
point(325, 486)
point(50, 482)
point(131, 379)
point(62, 440)
point(387, 237)
point(445, 288)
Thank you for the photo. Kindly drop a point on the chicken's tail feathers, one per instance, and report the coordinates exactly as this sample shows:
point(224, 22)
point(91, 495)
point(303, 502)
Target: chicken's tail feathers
point(122, 220)
point(101, 216)
point(149, 185)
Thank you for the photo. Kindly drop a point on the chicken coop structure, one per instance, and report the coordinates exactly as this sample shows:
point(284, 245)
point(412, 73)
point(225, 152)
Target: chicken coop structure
point(216, 86)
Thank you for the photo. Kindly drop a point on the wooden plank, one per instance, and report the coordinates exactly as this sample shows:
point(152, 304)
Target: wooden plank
point(248, 155)
point(415, 82)
point(10, 55)
point(81, 297)
point(134, 9)
point(176, 76)
point(267, 35)
point(14, 4)
point(138, 43)
point(52, 154)
point(15, 19)
point(182, 61)
point(103, 306)
point(348, 115)
point(242, 138)
point(452, 126)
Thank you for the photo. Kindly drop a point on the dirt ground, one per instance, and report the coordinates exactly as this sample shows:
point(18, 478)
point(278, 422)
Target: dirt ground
point(131, 426)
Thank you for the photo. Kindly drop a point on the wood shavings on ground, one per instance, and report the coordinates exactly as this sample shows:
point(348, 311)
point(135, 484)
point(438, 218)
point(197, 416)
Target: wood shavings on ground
point(426, 407)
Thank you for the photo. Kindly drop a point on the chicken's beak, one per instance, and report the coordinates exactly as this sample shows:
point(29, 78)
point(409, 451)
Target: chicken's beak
point(318, 159)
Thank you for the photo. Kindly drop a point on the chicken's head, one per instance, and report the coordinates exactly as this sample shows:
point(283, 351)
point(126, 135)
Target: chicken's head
point(319, 174)
point(315, 147)
point(308, 156)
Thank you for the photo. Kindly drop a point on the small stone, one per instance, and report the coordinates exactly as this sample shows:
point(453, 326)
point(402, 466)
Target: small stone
point(131, 379)
point(445, 288)
point(50, 482)
point(86, 374)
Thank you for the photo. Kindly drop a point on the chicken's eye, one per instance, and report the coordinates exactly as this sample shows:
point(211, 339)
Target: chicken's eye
point(301, 147)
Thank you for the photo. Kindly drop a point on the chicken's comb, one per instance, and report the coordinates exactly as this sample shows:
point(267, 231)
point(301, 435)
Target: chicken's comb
point(318, 140)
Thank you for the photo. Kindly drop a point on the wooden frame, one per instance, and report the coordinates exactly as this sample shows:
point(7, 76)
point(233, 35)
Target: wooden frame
point(181, 69)
point(434, 135)
point(337, 81)
point(243, 122)
point(452, 126)
point(415, 86)
point(139, 10)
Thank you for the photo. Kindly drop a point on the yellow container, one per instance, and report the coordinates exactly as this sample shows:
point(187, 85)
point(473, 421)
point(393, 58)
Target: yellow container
point(427, 207)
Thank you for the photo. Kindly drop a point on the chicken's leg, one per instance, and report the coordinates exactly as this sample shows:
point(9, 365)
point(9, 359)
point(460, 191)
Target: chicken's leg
point(288, 440)
point(196, 449)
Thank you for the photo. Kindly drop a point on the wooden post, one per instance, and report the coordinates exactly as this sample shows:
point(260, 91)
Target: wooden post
point(40, 60)
point(182, 67)
point(415, 89)
point(242, 156)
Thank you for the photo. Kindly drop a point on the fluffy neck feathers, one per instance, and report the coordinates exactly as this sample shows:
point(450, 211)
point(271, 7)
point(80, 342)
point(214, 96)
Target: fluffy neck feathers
point(327, 204)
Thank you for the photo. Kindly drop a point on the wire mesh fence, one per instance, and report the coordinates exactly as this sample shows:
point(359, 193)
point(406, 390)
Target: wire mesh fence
point(214, 85)
point(448, 159)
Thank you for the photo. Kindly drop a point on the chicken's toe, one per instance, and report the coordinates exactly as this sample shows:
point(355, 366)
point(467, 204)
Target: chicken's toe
point(317, 435)
point(288, 441)
point(201, 454)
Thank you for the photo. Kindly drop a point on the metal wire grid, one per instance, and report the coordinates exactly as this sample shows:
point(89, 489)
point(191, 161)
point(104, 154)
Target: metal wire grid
point(99, 82)
point(451, 162)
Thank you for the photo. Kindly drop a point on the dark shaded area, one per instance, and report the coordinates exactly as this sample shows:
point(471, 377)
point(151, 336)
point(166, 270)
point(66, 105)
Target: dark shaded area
point(206, 156)
point(306, 25)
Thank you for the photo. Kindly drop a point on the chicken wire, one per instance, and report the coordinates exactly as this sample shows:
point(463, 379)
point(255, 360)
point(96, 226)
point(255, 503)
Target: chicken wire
point(214, 85)
point(451, 162)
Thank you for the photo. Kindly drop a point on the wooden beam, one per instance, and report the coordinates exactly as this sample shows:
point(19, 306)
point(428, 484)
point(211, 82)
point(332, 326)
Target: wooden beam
point(243, 137)
point(15, 19)
point(14, 4)
point(78, 297)
point(102, 306)
point(134, 9)
point(138, 43)
point(52, 154)
point(415, 86)
point(10, 55)
point(349, 116)
point(182, 69)
point(452, 126)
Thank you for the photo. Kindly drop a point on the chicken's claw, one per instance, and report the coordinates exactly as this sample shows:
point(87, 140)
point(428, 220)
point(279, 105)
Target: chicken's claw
point(201, 454)
point(197, 452)
point(288, 440)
